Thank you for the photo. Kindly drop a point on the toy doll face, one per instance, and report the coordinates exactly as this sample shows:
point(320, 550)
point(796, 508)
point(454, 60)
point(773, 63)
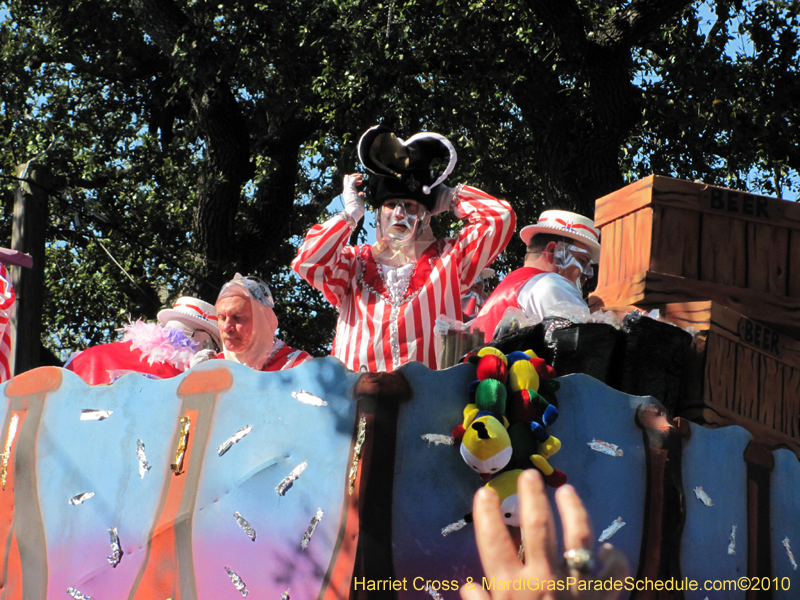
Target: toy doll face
point(235, 320)
point(399, 219)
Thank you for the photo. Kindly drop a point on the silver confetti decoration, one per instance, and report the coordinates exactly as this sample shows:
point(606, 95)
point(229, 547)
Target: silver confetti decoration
point(285, 595)
point(611, 529)
point(453, 527)
point(80, 498)
point(116, 548)
point(144, 466)
point(362, 435)
point(432, 592)
point(786, 545)
point(310, 529)
point(77, 594)
point(605, 447)
point(12, 433)
point(307, 398)
point(244, 524)
point(237, 581)
point(732, 543)
point(92, 414)
point(289, 480)
point(702, 496)
point(438, 438)
point(227, 444)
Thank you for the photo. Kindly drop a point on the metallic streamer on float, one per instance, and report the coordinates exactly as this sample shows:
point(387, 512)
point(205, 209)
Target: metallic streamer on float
point(438, 438)
point(227, 444)
point(144, 466)
point(237, 581)
point(311, 527)
point(786, 545)
point(432, 592)
point(80, 498)
point(605, 447)
point(12, 433)
point(244, 524)
point(181, 449)
point(702, 496)
point(453, 527)
point(732, 543)
point(116, 548)
point(77, 594)
point(308, 398)
point(93, 414)
point(611, 529)
point(289, 480)
point(362, 434)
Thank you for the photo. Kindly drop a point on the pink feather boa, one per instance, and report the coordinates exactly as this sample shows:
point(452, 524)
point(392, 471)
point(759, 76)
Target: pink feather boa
point(158, 344)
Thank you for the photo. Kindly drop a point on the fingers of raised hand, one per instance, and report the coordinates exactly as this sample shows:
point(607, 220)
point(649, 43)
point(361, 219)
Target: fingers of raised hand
point(497, 550)
point(536, 520)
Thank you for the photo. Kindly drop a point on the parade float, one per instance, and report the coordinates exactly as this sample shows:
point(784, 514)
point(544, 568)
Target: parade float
point(319, 482)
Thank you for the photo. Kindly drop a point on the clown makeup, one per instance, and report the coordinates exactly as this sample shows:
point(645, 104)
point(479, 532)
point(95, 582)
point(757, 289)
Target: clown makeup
point(574, 263)
point(400, 219)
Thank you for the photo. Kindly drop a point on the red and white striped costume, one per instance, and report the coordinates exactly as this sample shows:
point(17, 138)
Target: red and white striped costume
point(373, 331)
point(7, 298)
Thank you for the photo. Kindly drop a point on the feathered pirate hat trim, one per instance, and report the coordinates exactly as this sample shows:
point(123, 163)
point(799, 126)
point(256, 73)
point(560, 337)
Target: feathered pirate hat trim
point(405, 169)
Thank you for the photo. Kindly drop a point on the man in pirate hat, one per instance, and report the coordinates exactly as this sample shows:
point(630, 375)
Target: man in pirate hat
point(562, 249)
point(390, 293)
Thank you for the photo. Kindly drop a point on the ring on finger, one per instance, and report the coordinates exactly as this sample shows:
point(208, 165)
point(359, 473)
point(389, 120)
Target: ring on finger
point(580, 560)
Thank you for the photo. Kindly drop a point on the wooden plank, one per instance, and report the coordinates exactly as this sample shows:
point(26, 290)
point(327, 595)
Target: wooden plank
point(624, 201)
point(770, 388)
point(746, 394)
point(644, 237)
point(650, 289)
point(767, 253)
point(718, 384)
point(723, 251)
point(791, 407)
point(676, 240)
point(627, 262)
point(793, 265)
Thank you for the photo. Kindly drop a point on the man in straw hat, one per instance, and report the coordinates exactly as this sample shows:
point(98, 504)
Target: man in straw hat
point(390, 293)
point(247, 324)
point(562, 249)
point(157, 350)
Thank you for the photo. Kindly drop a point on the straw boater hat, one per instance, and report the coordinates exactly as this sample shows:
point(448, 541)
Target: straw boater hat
point(405, 169)
point(194, 313)
point(566, 224)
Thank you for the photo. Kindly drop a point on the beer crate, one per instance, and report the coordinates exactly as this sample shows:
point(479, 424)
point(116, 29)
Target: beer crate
point(665, 240)
point(741, 372)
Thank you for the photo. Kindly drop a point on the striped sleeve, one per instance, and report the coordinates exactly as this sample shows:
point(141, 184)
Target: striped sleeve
point(490, 224)
point(325, 261)
point(7, 298)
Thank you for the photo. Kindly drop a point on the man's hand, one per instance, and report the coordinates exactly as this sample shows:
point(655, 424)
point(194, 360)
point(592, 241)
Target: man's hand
point(542, 562)
point(201, 356)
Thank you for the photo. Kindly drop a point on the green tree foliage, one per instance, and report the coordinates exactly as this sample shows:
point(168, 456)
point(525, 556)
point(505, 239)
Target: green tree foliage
point(190, 139)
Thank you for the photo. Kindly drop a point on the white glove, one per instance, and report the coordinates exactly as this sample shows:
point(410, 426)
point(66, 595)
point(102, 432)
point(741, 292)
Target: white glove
point(201, 356)
point(353, 199)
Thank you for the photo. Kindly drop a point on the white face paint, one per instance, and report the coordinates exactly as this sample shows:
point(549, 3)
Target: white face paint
point(574, 263)
point(400, 219)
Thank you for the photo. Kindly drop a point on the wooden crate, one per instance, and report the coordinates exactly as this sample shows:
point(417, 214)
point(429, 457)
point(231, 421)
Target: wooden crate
point(742, 372)
point(667, 240)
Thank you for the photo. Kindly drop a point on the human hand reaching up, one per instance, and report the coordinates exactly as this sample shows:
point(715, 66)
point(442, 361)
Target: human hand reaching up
point(542, 562)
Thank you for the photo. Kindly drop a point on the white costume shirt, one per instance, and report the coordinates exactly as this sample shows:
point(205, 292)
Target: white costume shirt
point(542, 292)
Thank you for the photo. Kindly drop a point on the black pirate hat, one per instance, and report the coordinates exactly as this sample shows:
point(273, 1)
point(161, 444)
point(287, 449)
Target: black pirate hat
point(403, 170)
